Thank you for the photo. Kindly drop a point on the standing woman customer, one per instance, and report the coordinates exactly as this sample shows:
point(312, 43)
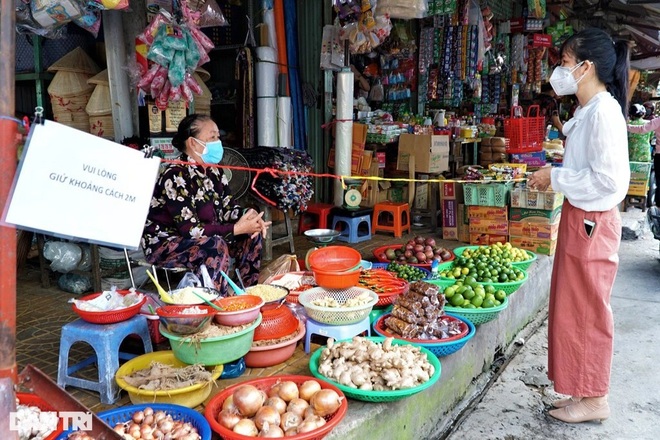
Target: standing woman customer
point(594, 179)
point(193, 218)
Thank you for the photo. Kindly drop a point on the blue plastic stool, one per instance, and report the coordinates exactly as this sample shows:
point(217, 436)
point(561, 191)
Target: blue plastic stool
point(338, 332)
point(351, 233)
point(105, 340)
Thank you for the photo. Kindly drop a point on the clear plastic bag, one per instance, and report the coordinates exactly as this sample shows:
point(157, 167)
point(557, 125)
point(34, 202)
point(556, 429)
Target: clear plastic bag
point(64, 257)
point(72, 283)
point(189, 280)
point(210, 13)
point(282, 265)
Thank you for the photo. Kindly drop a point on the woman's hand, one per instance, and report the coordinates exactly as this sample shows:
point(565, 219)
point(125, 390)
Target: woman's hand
point(540, 180)
point(251, 223)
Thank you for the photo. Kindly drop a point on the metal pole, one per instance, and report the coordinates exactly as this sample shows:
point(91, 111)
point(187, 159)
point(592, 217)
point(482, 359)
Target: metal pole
point(8, 131)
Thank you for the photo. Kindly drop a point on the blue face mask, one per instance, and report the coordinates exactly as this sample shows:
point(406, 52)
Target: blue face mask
point(213, 151)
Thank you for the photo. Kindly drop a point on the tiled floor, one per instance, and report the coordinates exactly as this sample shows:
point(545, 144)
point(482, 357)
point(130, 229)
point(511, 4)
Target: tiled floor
point(41, 313)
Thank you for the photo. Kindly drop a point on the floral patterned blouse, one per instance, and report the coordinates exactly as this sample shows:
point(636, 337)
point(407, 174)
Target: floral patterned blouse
point(639, 147)
point(189, 202)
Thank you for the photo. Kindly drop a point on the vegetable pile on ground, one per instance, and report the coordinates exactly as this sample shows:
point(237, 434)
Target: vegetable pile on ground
point(419, 250)
point(160, 376)
point(285, 409)
point(367, 365)
point(419, 314)
point(408, 273)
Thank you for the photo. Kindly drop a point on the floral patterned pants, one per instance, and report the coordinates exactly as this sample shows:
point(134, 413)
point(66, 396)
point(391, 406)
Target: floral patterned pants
point(215, 253)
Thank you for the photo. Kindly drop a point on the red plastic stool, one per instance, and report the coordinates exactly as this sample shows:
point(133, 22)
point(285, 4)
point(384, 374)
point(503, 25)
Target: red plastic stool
point(315, 216)
point(397, 221)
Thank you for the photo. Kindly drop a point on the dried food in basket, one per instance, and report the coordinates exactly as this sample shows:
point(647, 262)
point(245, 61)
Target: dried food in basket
point(159, 376)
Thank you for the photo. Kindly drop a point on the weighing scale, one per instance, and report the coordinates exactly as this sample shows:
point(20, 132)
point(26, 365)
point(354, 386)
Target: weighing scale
point(352, 194)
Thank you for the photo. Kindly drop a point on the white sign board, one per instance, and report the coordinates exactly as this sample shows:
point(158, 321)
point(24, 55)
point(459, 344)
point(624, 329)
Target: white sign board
point(74, 184)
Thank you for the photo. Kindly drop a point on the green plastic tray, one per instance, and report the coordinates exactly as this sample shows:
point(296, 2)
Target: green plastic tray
point(378, 396)
point(212, 351)
point(524, 265)
point(478, 316)
point(509, 287)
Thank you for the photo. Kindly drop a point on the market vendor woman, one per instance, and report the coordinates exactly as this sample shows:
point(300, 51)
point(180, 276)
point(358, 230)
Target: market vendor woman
point(594, 178)
point(193, 219)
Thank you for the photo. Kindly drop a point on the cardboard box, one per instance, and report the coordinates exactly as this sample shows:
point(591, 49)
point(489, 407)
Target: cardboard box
point(638, 187)
point(421, 196)
point(640, 170)
point(485, 239)
point(481, 226)
point(527, 198)
point(539, 245)
point(463, 224)
point(450, 219)
point(431, 153)
point(536, 159)
point(356, 160)
point(451, 191)
point(488, 213)
point(534, 230)
point(534, 215)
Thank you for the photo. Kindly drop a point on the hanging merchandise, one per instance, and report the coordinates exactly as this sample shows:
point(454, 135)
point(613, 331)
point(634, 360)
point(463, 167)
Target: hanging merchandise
point(363, 24)
point(287, 191)
point(404, 9)
point(332, 51)
point(176, 48)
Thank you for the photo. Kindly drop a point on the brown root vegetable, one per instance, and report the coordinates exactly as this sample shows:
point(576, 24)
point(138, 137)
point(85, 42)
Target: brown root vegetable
point(325, 402)
point(246, 427)
point(308, 388)
point(228, 418)
point(248, 399)
point(290, 420)
point(277, 403)
point(297, 406)
point(288, 391)
point(267, 415)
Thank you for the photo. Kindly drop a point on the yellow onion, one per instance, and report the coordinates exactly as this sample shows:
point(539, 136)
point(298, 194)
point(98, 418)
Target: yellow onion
point(248, 399)
point(228, 403)
point(271, 431)
point(288, 391)
point(246, 427)
point(290, 420)
point(325, 402)
point(277, 403)
point(267, 414)
point(297, 406)
point(308, 388)
point(228, 418)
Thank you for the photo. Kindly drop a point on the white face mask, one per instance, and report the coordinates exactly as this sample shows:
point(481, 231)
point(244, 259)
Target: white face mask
point(563, 82)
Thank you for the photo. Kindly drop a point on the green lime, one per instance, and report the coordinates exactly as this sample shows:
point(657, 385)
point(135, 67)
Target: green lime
point(500, 295)
point(457, 300)
point(477, 301)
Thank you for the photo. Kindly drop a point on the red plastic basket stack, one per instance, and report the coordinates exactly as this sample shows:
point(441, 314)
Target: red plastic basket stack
point(525, 133)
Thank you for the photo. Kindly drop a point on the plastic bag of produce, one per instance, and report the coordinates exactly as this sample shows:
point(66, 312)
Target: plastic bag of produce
point(64, 257)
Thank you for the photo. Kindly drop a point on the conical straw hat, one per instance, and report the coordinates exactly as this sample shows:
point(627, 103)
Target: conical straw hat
point(100, 78)
point(203, 74)
point(99, 102)
point(68, 84)
point(75, 61)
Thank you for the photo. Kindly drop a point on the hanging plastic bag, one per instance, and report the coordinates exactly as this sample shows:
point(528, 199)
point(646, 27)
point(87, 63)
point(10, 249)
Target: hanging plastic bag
point(282, 265)
point(189, 280)
point(210, 13)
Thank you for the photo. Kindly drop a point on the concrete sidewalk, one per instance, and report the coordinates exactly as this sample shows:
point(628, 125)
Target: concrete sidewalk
point(515, 405)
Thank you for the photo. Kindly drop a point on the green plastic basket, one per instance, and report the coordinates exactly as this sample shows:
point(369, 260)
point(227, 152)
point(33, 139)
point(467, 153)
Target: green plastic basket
point(509, 287)
point(212, 351)
point(487, 193)
point(524, 265)
point(478, 316)
point(378, 396)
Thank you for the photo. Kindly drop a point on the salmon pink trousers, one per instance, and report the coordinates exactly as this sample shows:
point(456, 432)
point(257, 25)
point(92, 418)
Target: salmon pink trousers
point(580, 323)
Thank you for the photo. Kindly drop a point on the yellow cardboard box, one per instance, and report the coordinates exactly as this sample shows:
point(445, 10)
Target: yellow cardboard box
point(488, 213)
point(539, 245)
point(482, 226)
point(486, 239)
point(534, 230)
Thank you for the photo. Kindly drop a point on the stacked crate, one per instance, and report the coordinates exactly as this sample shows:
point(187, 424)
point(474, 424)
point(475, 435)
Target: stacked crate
point(488, 224)
point(534, 219)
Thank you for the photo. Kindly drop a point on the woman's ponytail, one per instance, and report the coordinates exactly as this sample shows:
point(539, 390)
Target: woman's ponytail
point(619, 85)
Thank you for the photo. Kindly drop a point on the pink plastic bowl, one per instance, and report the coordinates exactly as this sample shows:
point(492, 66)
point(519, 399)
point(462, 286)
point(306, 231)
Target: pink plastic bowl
point(269, 355)
point(251, 307)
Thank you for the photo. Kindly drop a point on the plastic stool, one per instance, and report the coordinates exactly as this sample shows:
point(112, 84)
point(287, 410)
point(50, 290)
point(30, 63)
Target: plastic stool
point(400, 212)
point(105, 340)
point(352, 233)
point(638, 202)
point(315, 216)
point(338, 332)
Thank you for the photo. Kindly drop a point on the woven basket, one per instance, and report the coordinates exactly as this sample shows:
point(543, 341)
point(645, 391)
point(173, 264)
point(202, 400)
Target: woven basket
point(102, 126)
point(336, 315)
point(76, 61)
